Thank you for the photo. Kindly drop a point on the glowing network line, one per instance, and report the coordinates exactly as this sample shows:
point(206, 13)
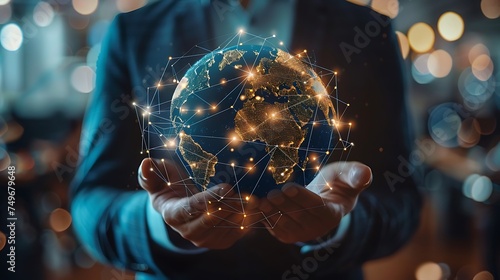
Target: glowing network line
point(154, 123)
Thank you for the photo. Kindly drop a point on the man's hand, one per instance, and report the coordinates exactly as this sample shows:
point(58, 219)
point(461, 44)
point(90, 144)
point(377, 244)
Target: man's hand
point(215, 218)
point(299, 214)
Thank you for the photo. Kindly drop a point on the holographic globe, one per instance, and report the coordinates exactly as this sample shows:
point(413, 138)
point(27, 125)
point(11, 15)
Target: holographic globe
point(254, 117)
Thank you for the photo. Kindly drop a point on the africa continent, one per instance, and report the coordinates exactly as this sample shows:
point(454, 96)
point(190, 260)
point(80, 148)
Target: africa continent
point(279, 102)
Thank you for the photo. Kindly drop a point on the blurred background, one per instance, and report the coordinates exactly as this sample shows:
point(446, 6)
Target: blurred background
point(451, 51)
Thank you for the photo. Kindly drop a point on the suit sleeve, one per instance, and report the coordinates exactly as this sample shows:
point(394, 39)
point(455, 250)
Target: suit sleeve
point(110, 214)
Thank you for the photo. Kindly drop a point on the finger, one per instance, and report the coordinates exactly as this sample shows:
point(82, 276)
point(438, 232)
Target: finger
point(351, 175)
point(148, 179)
point(155, 174)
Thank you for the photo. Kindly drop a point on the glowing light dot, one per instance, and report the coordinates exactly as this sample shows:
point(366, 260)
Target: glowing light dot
point(251, 159)
point(350, 124)
point(305, 51)
point(421, 37)
point(274, 35)
point(241, 31)
point(133, 103)
point(247, 198)
point(208, 213)
point(281, 43)
point(242, 227)
point(317, 167)
point(232, 150)
point(232, 164)
point(220, 208)
point(451, 26)
point(159, 85)
point(168, 184)
point(327, 152)
point(169, 58)
point(244, 215)
point(282, 174)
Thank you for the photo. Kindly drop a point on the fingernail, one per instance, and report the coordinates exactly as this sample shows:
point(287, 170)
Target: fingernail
point(359, 176)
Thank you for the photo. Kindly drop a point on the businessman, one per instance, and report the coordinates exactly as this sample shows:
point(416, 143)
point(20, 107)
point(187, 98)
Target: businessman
point(371, 211)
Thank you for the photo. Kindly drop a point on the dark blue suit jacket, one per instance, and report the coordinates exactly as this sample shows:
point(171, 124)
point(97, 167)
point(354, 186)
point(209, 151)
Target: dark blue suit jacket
point(109, 209)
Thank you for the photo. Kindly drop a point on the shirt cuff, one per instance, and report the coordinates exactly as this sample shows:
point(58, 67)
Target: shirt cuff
point(339, 236)
point(168, 239)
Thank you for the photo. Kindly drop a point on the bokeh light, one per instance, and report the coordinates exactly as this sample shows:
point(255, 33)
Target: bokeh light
point(467, 184)
point(493, 158)
point(79, 22)
point(432, 271)
point(3, 240)
point(469, 133)
point(4, 2)
point(11, 37)
point(483, 275)
point(475, 92)
point(477, 50)
point(43, 14)
point(83, 79)
point(421, 37)
point(440, 63)
point(490, 8)
point(444, 124)
point(403, 44)
point(389, 8)
point(420, 70)
point(4, 158)
point(482, 67)
point(60, 220)
point(451, 26)
point(129, 5)
point(5, 13)
point(85, 7)
point(482, 189)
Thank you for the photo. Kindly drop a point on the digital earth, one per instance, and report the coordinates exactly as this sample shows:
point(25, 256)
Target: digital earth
point(254, 117)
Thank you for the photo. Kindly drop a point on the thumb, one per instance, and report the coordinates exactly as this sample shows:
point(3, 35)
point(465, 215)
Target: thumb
point(353, 175)
point(150, 177)
point(357, 175)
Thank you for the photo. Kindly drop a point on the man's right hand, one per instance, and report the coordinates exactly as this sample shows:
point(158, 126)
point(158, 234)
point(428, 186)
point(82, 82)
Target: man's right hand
point(215, 218)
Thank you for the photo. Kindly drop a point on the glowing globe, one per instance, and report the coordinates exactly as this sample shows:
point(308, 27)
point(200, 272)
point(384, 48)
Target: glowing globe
point(254, 117)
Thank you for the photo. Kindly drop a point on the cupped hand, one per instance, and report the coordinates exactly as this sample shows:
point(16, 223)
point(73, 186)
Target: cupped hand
point(214, 218)
point(298, 214)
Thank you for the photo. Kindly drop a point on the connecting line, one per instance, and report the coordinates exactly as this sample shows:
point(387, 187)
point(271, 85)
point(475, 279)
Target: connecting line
point(156, 121)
